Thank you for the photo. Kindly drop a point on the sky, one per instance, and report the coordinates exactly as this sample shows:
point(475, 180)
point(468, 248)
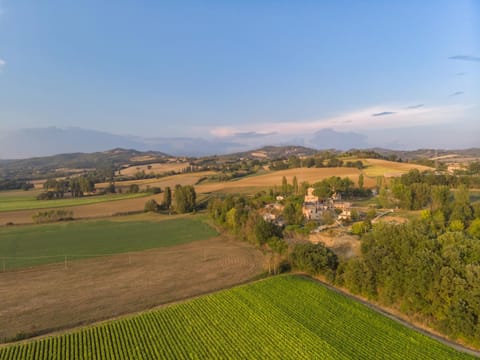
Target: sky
point(253, 71)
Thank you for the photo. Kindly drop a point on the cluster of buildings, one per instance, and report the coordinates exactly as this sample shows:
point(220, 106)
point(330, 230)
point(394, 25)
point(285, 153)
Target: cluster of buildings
point(313, 208)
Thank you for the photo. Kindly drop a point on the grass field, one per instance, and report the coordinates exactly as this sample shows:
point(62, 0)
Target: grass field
point(43, 244)
point(286, 317)
point(26, 200)
point(378, 167)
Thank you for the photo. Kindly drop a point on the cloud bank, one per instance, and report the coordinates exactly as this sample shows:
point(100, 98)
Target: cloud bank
point(398, 117)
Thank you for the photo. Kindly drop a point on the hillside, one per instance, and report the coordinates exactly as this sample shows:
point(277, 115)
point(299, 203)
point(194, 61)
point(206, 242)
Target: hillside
point(67, 163)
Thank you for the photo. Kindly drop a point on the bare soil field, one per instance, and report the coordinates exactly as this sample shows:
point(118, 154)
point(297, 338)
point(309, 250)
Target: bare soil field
point(156, 168)
point(49, 298)
point(339, 242)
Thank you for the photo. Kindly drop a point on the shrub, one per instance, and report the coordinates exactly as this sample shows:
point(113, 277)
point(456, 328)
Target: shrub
point(52, 216)
point(151, 206)
point(314, 259)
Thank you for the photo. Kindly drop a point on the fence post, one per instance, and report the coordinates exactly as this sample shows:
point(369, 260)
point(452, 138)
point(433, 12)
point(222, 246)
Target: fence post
point(65, 262)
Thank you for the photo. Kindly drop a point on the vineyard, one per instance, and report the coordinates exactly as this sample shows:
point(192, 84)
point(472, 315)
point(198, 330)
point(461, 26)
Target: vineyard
point(285, 317)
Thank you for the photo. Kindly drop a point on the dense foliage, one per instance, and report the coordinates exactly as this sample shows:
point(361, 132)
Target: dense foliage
point(431, 275)
point(185, 199)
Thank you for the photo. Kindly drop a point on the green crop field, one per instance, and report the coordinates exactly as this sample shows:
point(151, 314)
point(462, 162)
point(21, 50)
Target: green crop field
point(42, 244)
point(286, 317)
point(26, 200)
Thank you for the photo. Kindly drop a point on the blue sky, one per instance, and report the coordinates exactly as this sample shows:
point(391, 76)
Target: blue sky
point(275, 70)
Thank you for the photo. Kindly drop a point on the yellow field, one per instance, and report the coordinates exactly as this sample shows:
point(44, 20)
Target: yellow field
point(378, 167)
point(182, 179)
point(156, 168)
point(374, 168)
point(311, 175)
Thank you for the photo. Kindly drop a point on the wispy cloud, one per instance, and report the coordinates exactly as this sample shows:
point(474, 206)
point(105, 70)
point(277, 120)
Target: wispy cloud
point(418, 106)
point(456, 93)
point(2, 64)
point(461, 73)
point(465, 58)
point(251, 134)
point(384, 113)
point(357, 120)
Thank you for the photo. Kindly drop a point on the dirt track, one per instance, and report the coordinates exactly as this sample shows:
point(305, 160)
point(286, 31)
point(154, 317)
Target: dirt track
point(49, 298)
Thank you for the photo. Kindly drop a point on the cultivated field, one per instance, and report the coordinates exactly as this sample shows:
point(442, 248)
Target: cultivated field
point(156, 168)
point(28, 246)
point(182, 179)
point(49, 297)
point(26, 200)
point(311, 175)
point(101, 209)
point(378, 167)
point(286, 317)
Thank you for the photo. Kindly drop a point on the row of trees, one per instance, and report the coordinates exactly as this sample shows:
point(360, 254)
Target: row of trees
point(184, 200)
point(319, 161)
point(77, 186)
point(15, 184)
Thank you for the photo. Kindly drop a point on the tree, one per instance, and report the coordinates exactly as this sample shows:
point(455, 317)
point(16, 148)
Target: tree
point(292, 213)
point(110, 189)
point(474, 229)
point(151, 206)
point(133, 189)
point(185, 199)
point(167, 198)
point(314, 259)
point(456, 225)
point(360, 181)
point(284, 186)
point(295, 185)
point(440, 197)
point(265, 230)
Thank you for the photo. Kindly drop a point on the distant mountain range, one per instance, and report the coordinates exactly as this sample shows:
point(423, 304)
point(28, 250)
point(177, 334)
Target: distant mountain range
point(38, 142)
point(66, 164)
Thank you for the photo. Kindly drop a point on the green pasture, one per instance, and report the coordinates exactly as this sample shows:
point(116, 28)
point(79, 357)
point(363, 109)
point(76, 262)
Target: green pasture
point(25, 246)
point(26, 200)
